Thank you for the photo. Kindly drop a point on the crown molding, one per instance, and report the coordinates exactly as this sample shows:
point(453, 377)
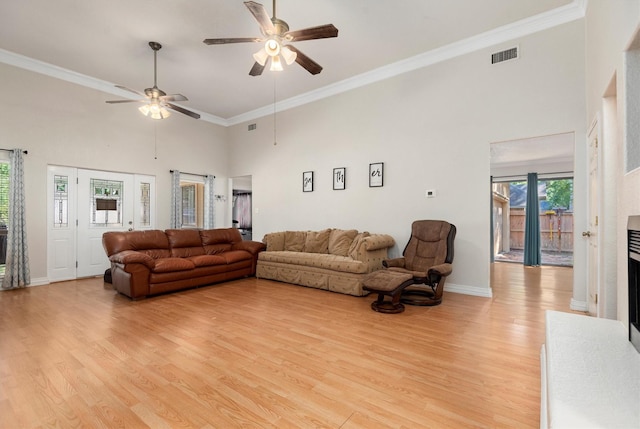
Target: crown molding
point(51, 70)
point(562, 15)
point(544, 21)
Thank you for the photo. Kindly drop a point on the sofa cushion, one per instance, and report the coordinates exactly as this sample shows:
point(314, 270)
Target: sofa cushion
point(317, 241)
point(166, 265)
point(234, 256)
point(294, 240)
point(217, 241)
point(220, 236)
point(355, 245)
point(207, 260)
point(340, 241)
point(150, 240)
point(274, 241)
point(329, 262)
point(184, 242)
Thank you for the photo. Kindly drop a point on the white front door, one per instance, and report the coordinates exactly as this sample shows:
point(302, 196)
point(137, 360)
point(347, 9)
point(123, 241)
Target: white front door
point(105, 203)
point(61, 223)
point(95, 202)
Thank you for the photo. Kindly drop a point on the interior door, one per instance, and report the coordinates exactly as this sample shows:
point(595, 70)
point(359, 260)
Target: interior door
point(592, 233)
point(105, 203)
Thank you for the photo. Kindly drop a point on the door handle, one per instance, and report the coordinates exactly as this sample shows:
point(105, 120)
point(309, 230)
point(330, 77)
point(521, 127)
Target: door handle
point(586, 234)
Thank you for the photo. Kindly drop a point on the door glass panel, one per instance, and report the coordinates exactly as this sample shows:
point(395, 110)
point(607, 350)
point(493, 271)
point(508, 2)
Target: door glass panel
point(106, 203)
point(60, 201)
point(145, 204)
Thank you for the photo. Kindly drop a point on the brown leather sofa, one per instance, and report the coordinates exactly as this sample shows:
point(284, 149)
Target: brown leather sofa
point(145, 263)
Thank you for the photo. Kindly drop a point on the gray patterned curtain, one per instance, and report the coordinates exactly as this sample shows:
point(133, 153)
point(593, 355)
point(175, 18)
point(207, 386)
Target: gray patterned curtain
point(209, 201)
point(175, 220)
point(17, 266)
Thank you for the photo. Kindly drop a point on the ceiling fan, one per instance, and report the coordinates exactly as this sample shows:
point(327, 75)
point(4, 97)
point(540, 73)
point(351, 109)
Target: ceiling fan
point(275, 34)
point(157, 102)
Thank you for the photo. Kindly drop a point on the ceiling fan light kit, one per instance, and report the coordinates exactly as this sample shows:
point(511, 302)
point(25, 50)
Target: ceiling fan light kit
point(157, 102)
point(261, 57)
point(154, 111)
point(276, 65)
point(272, 47)
point(275, 33)
point(288, 55)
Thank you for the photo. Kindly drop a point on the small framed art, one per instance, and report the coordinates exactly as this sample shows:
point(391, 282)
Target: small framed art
point(307, 181)
point(376, 174)
point(339, 178)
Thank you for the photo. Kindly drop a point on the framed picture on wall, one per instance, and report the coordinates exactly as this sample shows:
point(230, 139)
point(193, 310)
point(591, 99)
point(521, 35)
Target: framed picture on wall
point(307, 181)
point(376, 174)
point(339, 178)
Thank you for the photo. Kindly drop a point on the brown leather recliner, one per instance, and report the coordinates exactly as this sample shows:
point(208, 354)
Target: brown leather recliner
point(427, 257)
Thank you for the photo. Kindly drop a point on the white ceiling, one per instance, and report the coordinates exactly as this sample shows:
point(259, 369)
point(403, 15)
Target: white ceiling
point(99, 44)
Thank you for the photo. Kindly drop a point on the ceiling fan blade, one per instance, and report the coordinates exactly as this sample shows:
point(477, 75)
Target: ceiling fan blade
point(256, 70)
point(124, 101)
point(319, 32)
point(174, 97)
point(306, 62)
point(231, 40)
point(131, 90)
point(260, 14)
point(183, 110)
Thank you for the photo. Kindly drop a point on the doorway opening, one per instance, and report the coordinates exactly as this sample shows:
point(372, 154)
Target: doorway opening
point(552, 158)
point(242, 206)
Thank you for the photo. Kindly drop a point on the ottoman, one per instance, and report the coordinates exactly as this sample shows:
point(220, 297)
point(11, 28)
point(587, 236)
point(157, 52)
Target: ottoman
point(389, 283)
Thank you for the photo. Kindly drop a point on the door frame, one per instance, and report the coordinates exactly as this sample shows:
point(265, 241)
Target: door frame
point(593, 232)
point(71, 251)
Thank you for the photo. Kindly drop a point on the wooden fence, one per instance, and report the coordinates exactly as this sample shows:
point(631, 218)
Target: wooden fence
point(556, 231)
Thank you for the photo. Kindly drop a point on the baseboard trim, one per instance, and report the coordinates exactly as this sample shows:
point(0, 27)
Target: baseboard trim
point(34, 282)
point(469, 290)
point(41, 281)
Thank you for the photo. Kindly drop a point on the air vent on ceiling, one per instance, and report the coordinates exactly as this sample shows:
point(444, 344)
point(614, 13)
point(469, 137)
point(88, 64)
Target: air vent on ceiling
point(251, 127)
point(506, 55)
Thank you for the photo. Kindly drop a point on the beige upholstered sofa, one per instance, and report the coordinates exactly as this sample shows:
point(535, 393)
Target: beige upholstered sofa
point(331, 259)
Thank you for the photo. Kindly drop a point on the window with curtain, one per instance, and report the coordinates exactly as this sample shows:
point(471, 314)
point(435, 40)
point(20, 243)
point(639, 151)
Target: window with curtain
point(192, 204)
point(192, 200)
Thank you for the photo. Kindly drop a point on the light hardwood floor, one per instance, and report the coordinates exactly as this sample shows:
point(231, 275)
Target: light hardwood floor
point(256, 353)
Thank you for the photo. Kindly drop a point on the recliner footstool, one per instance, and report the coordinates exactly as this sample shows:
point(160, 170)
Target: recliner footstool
point(389, 283)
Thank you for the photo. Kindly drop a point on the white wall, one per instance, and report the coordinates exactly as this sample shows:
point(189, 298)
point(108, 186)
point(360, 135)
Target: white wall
point(432, 128)
point(610, 26)
point(65, 124)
